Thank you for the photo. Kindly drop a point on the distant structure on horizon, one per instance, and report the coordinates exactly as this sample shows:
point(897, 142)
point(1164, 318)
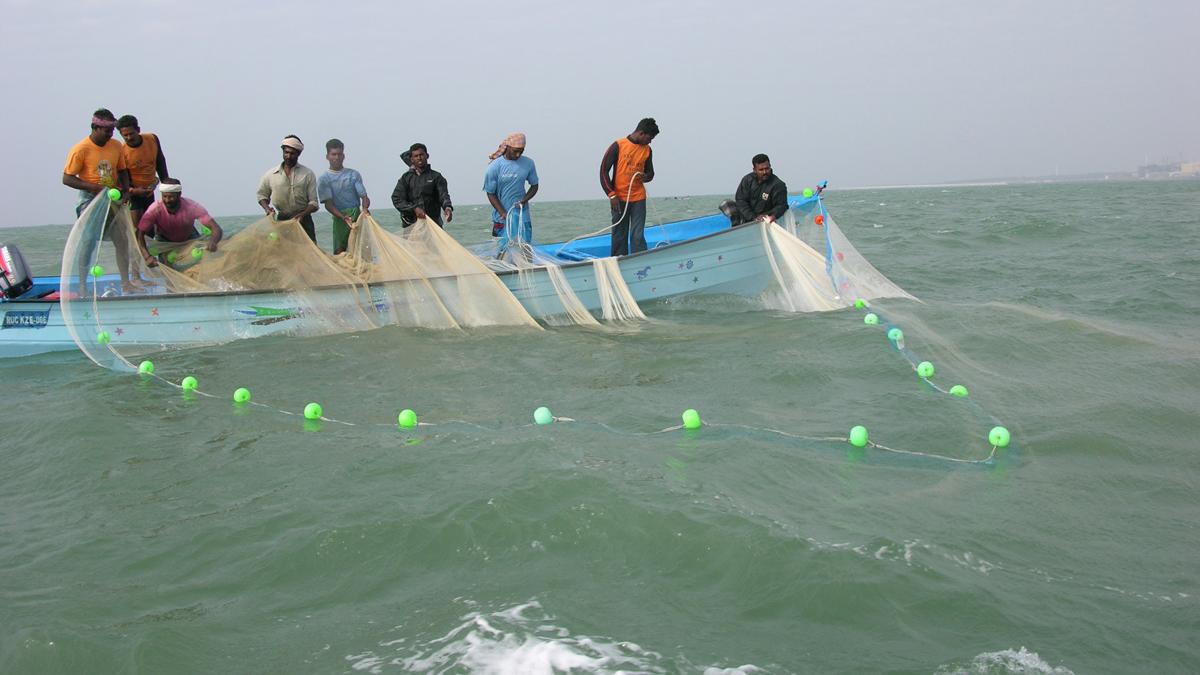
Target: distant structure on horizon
point(1169, 170)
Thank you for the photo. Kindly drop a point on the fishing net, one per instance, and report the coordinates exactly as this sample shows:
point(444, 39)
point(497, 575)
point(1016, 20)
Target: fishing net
point(269, 278)
point(553, 292)
point(556, 302)
point(616, 302)
point(82, 280)
point(815, 266)
point(429, 278)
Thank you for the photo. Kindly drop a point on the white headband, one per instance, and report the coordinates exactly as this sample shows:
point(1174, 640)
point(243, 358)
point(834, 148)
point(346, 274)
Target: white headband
point(164, 188)
point(292, 143)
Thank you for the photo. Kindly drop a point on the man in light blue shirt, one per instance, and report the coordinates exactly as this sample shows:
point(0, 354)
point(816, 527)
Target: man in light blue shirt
point(504, 182)
point(342, 192)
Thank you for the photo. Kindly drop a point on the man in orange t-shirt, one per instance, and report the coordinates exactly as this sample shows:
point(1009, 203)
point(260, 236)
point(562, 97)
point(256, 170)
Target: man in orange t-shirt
point(627, 166)
point(147, 165)
point(96, 164)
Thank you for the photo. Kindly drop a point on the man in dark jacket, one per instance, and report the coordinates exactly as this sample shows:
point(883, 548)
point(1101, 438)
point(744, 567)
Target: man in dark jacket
point(421, 192)
point(760, 195)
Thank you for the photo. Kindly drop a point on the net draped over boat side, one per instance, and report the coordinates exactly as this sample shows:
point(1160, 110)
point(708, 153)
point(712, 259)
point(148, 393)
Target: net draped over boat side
point(816, 267)
point(268, 278)
point(549, 293)
point(852, 274)
point(429, 278)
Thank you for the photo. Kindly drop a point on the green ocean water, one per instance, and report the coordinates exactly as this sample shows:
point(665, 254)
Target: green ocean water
point(142, 532)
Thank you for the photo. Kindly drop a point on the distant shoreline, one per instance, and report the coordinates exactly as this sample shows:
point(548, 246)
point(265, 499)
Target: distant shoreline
point(1115, 177)
point(925, 185)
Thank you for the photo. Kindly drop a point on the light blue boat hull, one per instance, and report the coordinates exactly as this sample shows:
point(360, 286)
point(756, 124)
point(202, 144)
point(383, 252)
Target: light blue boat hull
point(723, 261)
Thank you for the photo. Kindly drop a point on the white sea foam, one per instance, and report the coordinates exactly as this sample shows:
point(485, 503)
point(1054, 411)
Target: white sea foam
point(1147, 595)
point(918, 554)
point(522, 639)
point(1008, 661)
point(907, 553)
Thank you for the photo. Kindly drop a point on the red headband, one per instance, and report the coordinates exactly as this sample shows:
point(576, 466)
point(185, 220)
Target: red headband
point(97, 122)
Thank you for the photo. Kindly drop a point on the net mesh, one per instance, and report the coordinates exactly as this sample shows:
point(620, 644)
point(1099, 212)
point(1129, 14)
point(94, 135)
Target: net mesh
point(270, 278)
point(426, 273)
point(616, 302)
point(816, 268)
point(267, 279)
point(80, 288)
point(540, 277)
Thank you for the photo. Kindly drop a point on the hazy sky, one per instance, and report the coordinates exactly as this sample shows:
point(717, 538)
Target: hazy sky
point(859, 93)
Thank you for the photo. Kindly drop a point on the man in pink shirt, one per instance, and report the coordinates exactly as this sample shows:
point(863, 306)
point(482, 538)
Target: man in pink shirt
point(173, 219)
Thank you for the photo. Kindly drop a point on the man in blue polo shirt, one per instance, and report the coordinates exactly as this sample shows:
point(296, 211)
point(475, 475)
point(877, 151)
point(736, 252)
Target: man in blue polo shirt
point(504, 182)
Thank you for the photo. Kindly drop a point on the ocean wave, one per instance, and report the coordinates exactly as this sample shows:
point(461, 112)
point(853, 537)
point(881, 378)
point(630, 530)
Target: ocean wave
point(1006, 661)
point(523, 639)
point(912, 552)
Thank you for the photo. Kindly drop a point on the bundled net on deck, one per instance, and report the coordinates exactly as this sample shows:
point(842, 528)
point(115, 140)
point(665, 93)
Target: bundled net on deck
point(277, 261)
point(269, 278)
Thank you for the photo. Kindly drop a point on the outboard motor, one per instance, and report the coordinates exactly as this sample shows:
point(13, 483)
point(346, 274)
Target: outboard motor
point(14, 275)
point(729, 208)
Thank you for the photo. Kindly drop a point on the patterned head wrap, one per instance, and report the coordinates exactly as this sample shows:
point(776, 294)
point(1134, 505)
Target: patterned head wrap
point(514, 140)
point(292, 143)
point(107, 124)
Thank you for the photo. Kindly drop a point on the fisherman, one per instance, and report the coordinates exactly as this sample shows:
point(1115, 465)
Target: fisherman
point(144, 157)
point(760, 195)
point(421, 191)
point(173, 218)
point(342, 192)
point(505, 183)
point(96, 164)
point(289, 190)
point(627, 165)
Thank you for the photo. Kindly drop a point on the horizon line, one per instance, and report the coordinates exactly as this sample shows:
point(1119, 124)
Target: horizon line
point(852, 188)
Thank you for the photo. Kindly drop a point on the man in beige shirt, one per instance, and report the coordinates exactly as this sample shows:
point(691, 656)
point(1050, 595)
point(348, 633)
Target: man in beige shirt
point(290, 190)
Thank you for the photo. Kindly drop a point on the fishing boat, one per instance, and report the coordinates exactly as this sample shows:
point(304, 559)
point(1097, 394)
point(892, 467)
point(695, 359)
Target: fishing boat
point(701, 255)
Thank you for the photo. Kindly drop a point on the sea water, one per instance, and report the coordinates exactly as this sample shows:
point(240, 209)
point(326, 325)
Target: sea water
point(142, 531)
